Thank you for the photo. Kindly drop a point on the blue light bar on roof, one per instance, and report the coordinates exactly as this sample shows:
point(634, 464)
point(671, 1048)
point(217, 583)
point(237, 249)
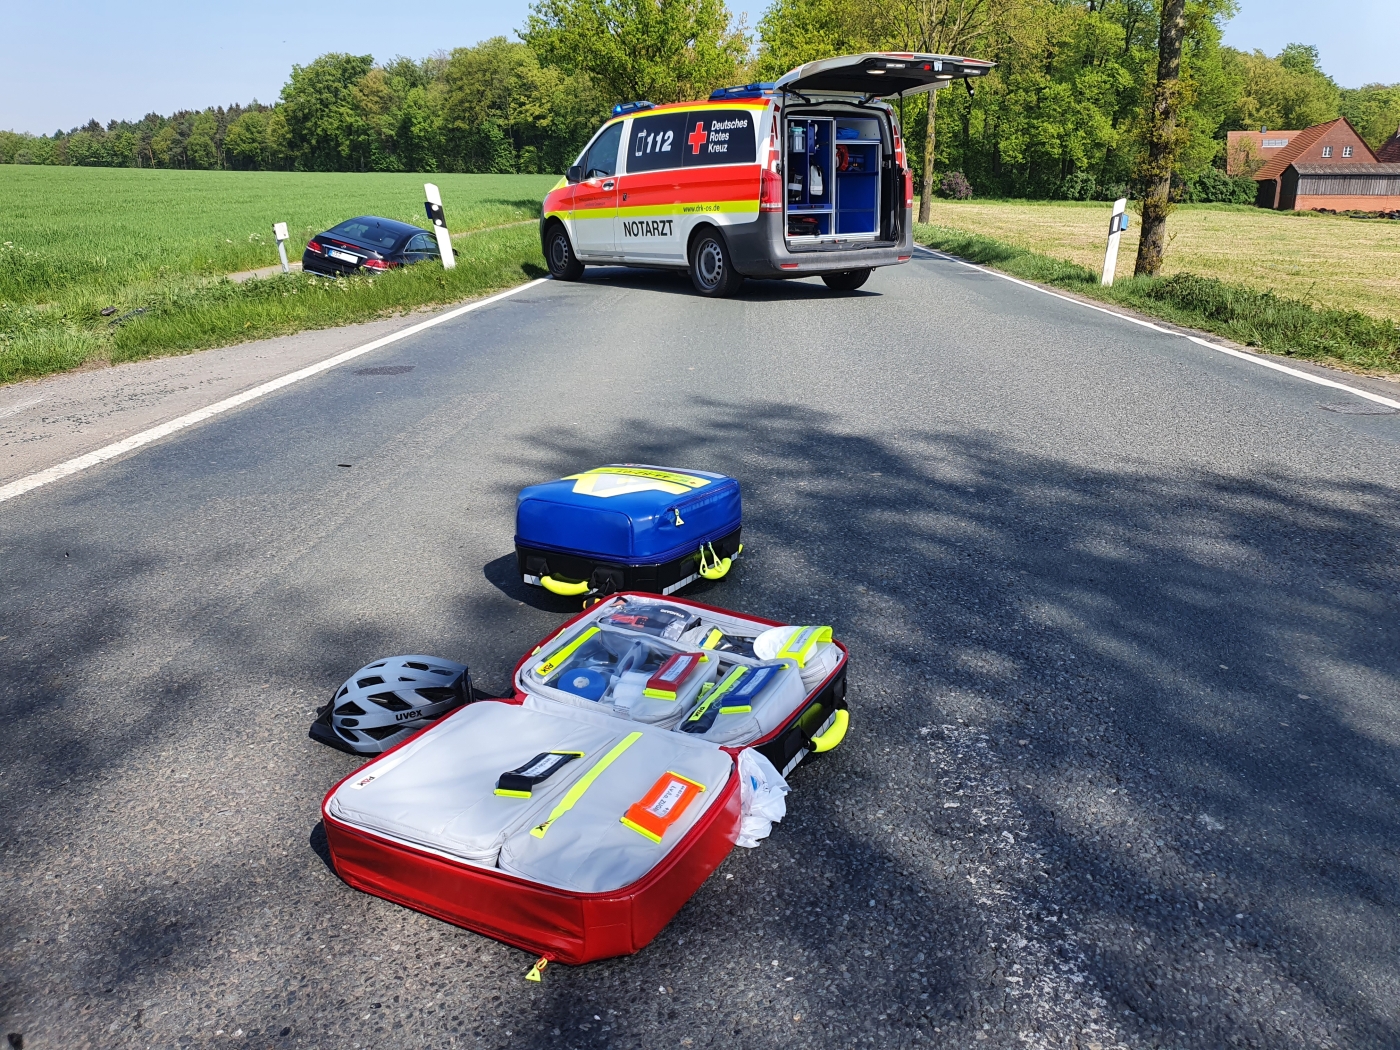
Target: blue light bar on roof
point(743, 91)
point(631, 107)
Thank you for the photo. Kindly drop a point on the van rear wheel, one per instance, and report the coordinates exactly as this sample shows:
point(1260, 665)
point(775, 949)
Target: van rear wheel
point(846, 280)
point(559, 253)
point(711, 267)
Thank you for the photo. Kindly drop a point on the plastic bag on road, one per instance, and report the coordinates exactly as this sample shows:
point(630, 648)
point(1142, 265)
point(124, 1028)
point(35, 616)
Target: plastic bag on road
point(761, 792)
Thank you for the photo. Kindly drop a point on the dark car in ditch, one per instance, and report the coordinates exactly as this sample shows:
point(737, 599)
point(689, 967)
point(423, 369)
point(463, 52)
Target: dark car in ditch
point(368, 243)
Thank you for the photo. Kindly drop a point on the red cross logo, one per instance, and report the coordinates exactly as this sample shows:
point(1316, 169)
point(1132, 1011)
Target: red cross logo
point(697, 137)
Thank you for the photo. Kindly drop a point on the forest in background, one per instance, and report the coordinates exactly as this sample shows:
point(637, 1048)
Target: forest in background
point(1061, 117)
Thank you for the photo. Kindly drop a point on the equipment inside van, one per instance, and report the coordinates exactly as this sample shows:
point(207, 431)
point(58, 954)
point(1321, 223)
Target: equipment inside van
point(806, 176)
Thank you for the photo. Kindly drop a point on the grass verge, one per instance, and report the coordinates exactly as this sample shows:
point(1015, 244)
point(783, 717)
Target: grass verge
point(177, 316)
point(224, 313)
point(153, 248)
point(1245, 315)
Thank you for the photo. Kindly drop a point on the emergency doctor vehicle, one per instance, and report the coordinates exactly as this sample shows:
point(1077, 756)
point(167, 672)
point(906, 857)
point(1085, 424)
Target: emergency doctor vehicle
point(803, 177)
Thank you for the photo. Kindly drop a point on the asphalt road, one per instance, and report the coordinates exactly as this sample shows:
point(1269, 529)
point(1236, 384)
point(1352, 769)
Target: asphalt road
point(1125, 679)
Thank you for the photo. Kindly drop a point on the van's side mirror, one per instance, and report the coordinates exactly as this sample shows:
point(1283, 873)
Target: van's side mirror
point(574, 174)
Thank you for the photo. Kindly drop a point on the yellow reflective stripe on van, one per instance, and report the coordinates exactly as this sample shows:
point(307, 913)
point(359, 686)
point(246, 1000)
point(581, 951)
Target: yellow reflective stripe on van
point(585, 782)
point(653, 211)
point(551, 663)
point(802, 642)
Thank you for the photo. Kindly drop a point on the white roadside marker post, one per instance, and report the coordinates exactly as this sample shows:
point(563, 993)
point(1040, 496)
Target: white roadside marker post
point(279, 230)
point(434, 207)
point(1116, 225)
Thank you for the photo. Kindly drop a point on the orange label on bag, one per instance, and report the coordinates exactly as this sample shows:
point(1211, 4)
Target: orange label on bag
point(662, 806)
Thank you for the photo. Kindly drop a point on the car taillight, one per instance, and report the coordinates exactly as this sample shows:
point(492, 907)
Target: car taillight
point(376, 264)
point(314, 246)
point(902, 159)
point(770, 183)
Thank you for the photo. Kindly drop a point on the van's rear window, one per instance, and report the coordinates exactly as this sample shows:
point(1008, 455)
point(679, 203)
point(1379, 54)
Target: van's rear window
point(703, 137)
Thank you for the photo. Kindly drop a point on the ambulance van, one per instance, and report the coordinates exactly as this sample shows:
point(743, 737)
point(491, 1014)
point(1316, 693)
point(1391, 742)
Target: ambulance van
point(803, 177)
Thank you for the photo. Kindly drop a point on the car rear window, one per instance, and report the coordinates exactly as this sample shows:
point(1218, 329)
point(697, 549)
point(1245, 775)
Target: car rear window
point(366, 233)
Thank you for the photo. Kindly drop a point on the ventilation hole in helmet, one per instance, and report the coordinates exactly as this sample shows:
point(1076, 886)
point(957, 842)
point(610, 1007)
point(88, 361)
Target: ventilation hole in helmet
point(435, 694)
point(390, 700)
point(439, 670)
point(405, 678)
point(380, 732)
point(365, 683)
point(343, 690)
point(347, 735)
point(380, 664)
point(351, 722)
point(351, 708)
point(415, 665)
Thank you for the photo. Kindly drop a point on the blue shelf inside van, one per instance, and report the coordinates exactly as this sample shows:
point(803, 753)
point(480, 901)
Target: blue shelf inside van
point(857, 185)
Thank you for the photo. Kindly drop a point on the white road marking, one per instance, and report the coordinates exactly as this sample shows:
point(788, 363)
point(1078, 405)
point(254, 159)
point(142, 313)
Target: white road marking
point(118, 448)
point(20, 406)
point(1253, 359)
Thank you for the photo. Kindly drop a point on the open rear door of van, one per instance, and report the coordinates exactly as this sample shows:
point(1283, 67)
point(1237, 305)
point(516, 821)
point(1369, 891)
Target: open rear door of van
point(879, 75)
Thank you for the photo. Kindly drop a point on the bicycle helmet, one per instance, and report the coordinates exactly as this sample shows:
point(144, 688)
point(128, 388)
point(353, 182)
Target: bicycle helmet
point(385, 702)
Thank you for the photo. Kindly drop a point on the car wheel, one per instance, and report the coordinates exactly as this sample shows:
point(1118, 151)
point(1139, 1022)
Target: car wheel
point(559, 253)
point(711, 267)
point(846, 280)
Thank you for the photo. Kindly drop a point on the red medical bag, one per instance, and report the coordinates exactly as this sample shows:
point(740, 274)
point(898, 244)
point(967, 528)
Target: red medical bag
point(616, 806)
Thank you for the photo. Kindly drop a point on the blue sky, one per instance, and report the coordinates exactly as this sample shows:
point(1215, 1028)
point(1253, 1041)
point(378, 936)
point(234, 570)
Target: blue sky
point(71, 60)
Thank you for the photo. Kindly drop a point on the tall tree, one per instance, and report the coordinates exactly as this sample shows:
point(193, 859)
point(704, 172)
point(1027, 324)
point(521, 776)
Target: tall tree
point(328, 131)
point(661, 50)
point(795, 32)
point(935, 27)
point(1164, 141)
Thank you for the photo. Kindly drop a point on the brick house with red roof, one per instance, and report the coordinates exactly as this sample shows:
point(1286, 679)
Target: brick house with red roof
point(1334, 143)
point(1248, 151)
point(1389, 153)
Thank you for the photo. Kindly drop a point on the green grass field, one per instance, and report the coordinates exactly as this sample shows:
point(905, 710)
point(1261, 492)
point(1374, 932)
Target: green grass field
point(76, 240)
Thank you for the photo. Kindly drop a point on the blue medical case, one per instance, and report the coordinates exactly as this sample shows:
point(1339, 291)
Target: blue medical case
point(627, 527)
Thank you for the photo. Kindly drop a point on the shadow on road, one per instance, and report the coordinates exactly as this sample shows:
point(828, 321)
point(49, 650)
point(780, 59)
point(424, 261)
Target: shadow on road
point(1166, 696)
point(752, 290)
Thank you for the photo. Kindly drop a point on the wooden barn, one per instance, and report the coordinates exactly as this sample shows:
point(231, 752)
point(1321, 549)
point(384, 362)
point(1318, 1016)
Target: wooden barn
point(1339, 187)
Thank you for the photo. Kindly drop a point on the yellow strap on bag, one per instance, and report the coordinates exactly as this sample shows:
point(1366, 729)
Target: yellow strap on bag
point(584, 783)
point(801, 644)
point(564, 588)
point(715, 569)
point(834, 735)
point(552, 662)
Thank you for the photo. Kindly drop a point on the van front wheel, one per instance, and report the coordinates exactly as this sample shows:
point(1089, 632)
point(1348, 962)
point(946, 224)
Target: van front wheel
point(559, 253)
point(711, 267)
point(846, 280)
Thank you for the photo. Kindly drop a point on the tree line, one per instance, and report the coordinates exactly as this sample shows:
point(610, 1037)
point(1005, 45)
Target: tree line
point(1065, 114)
